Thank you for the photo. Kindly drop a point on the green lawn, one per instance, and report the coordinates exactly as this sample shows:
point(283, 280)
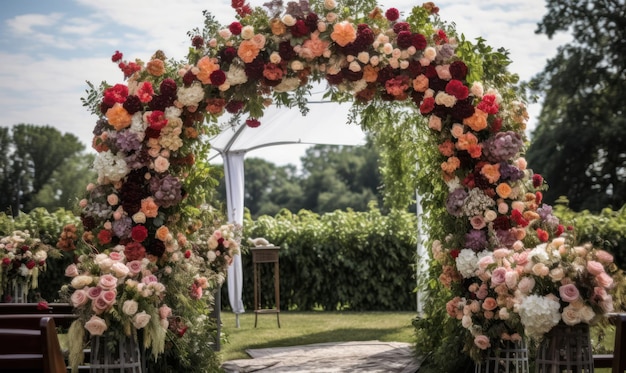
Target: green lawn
point(301, 328)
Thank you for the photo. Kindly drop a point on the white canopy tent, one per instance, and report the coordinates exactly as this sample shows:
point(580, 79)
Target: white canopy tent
point(325, 123)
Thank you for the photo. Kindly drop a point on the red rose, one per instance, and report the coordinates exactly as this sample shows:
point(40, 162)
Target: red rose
point(117, 56)
point(457, 89)
point(104, 236)
point(157, 120)
point(538, 197)
point(31, 264)
point(537, 180)
point(235, 28)
point(488, 104)
point(454, 253)
point(134, 251)
point(300, 29)
point(187, 254)
point(43, 305)
point(560, 229)
point(542, 235)
point(427, 105)
point(392, 14)
point(139, 233)
point(6, 262)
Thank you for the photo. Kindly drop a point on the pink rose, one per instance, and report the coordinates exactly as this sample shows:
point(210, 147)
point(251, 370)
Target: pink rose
point(96, 325)
point(485, 261)
point(482, 292)
point(134, 267)
point(511, 279)
point(489, 304)
point(595, 268)
point(116, 256)
point(604, 257)
point(604, 280)
point(569, 293)
point(149, 279)
point(526, 284)
point(498, 276)
point(107, 282)
point(99, 305)
point(71, 270)
point(79, 298)
point(482, 342)
point(108, 296)
point(94, 292)
point(165, 312)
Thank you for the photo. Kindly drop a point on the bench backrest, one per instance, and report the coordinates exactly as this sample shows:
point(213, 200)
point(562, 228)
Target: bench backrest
point(30, 344)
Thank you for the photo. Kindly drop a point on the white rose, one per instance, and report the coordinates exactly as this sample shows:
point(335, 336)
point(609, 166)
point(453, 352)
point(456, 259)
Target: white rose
point(247, 32)
point(130, 307)
point(81, 281)
point(96, 325)
point(141, 319)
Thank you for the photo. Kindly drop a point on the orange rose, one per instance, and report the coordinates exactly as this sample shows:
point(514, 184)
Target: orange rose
point(420, 83)
point(156, 67)
point(162, 233)
point(491, 172)
point(247, 51)
point(370, 73)
point(478, 121)
point(118, 117)
point(149, 208)
point(206, 66)
point(343, 33)
point(278, 27)
point(451, 164)
point(503, 190)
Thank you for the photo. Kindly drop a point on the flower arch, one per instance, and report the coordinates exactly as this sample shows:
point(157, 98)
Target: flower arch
point(430, 97)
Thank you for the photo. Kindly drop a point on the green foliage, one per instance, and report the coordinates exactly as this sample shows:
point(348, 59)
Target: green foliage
point(339, 260)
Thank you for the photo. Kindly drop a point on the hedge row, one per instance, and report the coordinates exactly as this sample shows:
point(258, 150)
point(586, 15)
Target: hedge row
point(341, 260)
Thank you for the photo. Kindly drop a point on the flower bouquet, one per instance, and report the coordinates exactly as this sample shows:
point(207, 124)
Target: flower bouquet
point(22, 258)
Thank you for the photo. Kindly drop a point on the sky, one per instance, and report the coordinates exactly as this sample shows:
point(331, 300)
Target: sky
point(50, 49)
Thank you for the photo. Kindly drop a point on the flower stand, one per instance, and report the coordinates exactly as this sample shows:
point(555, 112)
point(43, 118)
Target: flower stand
point(508, 357)
point(15, 292)
point(109, 356)
point(565, 349)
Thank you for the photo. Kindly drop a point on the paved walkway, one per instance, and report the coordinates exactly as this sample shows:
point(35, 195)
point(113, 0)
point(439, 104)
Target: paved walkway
point(368, 356)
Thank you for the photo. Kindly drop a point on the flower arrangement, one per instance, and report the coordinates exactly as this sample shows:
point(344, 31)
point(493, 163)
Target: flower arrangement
point(22, 258)
point(504, 256)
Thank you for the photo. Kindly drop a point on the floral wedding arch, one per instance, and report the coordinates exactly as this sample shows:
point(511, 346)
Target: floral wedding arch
point(502, 264)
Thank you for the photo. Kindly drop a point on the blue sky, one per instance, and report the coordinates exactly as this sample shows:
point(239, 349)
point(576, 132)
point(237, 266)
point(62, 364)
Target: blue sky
point(49, 49)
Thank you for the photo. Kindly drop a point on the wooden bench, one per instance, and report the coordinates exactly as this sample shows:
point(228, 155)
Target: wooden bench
point(617, 360)
point(30, 344)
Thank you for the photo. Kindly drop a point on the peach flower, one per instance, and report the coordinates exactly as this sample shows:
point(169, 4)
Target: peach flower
point(206, 66)
point(96, 325)
point(162, 233)
point(149, 207)
point(343, 33)
point(482, 342)
point(478, 120)
point(118, 117)
point(155, 67)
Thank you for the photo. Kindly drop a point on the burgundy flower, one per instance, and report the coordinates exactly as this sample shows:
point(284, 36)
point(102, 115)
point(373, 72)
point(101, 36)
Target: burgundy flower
point(401, 26)
point(132, 104)
point(188, 78)
point(252, 122)
point(392, 14)
point(228, 54)
point(156, 248)
point(405, 39)
point(419, 41)
point(334, 79)
point(197, 42)
point(234, 106)
point(537, 180)
point(311, 21)
point(458, 70)
point(134, 251)
point(285, 50)
point(299, 29)
point(254, 69)
point(168, 87)
point(31, 264)
point(218, 77)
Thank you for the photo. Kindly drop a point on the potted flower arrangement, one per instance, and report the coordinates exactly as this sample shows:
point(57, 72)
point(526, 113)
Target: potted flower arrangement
point(22, 258)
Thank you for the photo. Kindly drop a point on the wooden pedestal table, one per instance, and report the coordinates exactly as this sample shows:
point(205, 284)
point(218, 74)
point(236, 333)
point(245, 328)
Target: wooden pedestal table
point(265, 255)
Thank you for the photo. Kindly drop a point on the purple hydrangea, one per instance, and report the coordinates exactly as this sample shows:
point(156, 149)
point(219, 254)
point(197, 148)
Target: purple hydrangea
point(510, 172)
point(127, 141)
point(455, 201)
point(545, 212)
point(503, 146)
point(166, 190)
point(476, 240)
point(121, 227)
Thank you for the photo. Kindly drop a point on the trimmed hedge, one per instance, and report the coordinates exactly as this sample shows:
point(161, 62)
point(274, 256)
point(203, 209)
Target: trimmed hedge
point(340, 260)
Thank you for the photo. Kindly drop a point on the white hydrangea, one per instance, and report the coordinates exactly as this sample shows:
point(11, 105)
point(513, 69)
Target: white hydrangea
point(287, 85)
point(110, 166)
point(236, 75)
point(467, 263)
point(138, 126)
point(539, 314)
point(192, 95)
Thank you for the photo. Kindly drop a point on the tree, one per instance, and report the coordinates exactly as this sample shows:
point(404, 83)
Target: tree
point(579, 145)
point(30, 156)
point(340, 177)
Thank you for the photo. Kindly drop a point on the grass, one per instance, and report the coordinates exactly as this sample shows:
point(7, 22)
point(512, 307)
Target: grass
point(302, 328)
